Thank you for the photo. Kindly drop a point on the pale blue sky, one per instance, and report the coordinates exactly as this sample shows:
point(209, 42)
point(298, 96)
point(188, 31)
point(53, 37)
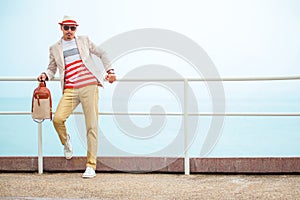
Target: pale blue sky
point(242, 37)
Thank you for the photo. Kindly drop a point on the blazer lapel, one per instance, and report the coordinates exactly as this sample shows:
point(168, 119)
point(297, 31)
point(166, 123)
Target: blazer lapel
point(60, 51)
point(80, 45)
point(59, 54)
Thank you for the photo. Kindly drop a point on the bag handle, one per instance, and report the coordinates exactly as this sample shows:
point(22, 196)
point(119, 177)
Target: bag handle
point(42, 82)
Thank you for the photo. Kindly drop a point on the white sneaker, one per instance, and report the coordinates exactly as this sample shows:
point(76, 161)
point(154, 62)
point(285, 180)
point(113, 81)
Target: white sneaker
point(68, 148)
point(89, 173)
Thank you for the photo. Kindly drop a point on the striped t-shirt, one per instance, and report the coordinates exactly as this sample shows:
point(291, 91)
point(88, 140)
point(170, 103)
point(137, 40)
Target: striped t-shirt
point(77, 74)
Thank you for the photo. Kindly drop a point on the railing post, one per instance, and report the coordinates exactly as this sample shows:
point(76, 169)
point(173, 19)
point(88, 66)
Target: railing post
point(40, 147)
point(185, 129)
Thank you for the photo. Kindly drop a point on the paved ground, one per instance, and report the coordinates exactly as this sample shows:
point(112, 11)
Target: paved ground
point(147, 186)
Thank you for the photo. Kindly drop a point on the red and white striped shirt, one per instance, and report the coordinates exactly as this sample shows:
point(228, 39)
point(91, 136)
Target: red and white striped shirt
point(77, 74)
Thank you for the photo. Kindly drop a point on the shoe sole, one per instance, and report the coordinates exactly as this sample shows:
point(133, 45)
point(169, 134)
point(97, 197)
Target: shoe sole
point(68, 157)
point(89, 176)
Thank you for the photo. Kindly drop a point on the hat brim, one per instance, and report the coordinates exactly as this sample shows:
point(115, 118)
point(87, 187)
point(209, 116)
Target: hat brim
point(68, 24)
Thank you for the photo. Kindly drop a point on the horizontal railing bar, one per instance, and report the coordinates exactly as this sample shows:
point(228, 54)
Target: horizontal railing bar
point(282, 114)
point(15, 113)
point(138, 113)
point(213, 79)
point(21, 79)
point(202, 114)
point(245, 114)
point(275, 78)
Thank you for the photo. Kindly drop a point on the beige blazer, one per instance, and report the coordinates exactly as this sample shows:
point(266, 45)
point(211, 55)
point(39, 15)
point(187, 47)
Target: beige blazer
point(93, 58)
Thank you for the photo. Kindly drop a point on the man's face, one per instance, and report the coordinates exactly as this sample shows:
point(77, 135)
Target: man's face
point(68, 31)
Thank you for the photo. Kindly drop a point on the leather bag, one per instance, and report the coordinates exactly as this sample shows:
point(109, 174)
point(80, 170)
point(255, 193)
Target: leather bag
point(41, 103)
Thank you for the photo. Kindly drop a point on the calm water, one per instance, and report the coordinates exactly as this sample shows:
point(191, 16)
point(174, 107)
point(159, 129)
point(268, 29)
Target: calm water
point(240, 137)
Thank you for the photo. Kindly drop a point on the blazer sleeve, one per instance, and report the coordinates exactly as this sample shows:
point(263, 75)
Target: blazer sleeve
point(52, 67)
point(99, 53)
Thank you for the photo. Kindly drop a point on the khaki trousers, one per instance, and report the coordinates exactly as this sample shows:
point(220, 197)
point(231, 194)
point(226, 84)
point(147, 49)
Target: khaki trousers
point(88, 97)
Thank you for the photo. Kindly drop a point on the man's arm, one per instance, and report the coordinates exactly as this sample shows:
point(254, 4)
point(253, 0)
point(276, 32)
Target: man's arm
point(52, 67)
point(101, 54)
point(51, 70)
point(111, 77)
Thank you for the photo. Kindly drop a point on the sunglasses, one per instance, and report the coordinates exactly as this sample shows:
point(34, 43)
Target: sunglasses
point(66, 28)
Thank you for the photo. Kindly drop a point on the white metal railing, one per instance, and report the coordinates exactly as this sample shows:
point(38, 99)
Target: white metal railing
point(269, 78)
point(185, 113)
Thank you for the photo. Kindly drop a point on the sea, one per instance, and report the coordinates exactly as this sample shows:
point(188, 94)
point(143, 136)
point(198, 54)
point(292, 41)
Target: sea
point(143, 134)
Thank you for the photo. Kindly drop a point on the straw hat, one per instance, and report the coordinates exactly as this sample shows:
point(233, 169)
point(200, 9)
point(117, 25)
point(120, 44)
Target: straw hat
point(68, 20)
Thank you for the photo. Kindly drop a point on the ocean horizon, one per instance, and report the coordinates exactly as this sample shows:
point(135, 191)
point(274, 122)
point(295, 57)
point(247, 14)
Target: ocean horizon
point(241, 136)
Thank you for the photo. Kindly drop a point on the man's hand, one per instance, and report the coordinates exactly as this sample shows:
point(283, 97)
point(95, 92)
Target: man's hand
point(42, 77)
point(111, 78)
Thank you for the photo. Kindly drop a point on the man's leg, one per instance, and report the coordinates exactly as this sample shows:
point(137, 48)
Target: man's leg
point(89, 101)
point(67, 104)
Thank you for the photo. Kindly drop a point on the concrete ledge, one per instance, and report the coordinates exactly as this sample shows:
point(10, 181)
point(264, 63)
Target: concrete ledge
point(246, 165)
point(156, 164)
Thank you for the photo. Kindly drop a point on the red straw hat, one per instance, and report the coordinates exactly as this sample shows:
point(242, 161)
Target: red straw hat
point(68, 20)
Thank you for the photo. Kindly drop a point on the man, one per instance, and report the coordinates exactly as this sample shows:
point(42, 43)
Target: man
point(80, 79)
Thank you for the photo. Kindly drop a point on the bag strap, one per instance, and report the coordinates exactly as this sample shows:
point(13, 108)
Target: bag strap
point(42, 84)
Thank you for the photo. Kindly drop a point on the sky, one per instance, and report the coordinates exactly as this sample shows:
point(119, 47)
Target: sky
point(244, 38)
